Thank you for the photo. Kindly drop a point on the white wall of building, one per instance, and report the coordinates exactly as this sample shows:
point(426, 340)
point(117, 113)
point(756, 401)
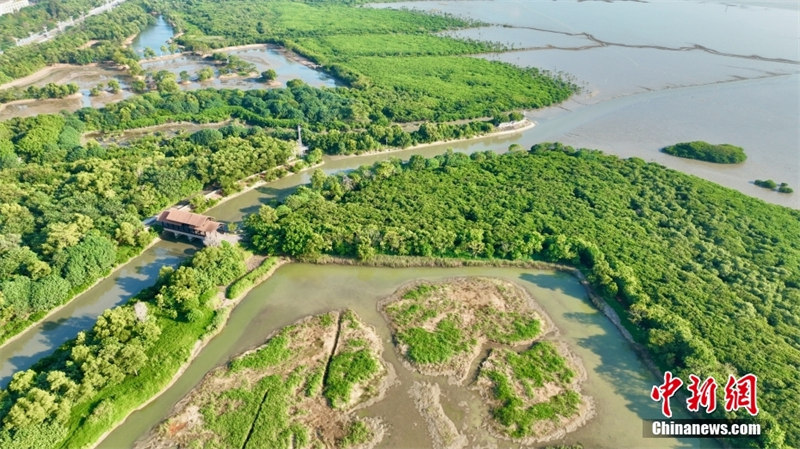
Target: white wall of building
point(9, 6)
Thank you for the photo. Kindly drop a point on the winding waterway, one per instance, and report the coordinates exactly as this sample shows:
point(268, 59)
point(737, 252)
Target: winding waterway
point(641, 92)
point(80, 314)
point(617, 379)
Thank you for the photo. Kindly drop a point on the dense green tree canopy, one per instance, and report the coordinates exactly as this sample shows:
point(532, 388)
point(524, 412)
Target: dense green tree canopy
point(721, 153)
point(709, 278)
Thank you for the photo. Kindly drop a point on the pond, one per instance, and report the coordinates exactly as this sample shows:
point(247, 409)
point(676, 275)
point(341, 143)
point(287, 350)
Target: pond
point(153, 37)
point(287, 65)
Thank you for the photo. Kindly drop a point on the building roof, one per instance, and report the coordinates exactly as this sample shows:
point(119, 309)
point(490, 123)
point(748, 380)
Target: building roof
point(182, 217)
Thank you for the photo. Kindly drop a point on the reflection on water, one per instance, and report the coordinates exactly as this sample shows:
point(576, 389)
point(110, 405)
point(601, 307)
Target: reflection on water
point(81, 313)
point(153, 37)
point(617, 379)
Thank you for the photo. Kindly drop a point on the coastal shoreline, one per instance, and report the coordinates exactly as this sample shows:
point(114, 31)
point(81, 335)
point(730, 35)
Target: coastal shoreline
point(528, 124)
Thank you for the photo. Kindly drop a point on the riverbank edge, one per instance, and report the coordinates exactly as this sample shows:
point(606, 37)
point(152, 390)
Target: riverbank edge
point(248, 187)
point(49, 314)
point(395, 262)
point(3, 106)
point(526, 125)
point(230, 304)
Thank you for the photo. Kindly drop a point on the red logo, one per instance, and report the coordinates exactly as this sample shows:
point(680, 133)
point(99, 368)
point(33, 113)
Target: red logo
point(665, 391)
point(702, 395)
point(739, 393)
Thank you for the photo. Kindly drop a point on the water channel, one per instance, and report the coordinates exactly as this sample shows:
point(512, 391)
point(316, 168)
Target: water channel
point(142, 271)
point(617, 379)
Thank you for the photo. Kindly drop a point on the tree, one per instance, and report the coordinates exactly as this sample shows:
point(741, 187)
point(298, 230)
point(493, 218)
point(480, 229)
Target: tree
point(48, 292)
point(87, 260)
point(69, 138)
point(125, 234)
point(60, 384)
point(138, 86)
point(17, 293)
point(301, 240)
point(165, 82)
point(268, 75)
point(184, 75)
point(15, 219)
point(148, 53)
point(206, 137)
point(221, 265)
point(205, 74)
point(318, 179)
point(113, 86)
point(61, 235)
point(34, 408)
point(314, 156)
point(132, 356)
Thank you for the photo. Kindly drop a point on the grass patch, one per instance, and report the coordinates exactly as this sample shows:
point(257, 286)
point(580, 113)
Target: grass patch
point(357, 433)
point(520, 328)
point(314, 382)
point(420, 291)
point(539, 364)
point(519, 419)
point(345, 371)
point(273, 427)
point(248, 280)
point(271, 354)
point(231, 415)
point(438, 346)
point(530, 370)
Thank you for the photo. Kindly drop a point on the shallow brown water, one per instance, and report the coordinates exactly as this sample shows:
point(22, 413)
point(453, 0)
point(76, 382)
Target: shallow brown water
point(617, 380)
